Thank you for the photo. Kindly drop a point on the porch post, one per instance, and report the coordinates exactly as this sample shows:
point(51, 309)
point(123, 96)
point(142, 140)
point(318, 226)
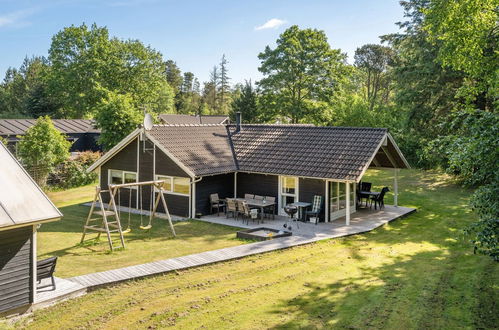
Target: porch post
point(326, 202)
point(395, 187)
point(347, 190)
point(235, 184)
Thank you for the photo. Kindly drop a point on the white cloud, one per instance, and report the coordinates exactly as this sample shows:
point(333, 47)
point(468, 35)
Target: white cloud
point(16, 18)
point(272, 23)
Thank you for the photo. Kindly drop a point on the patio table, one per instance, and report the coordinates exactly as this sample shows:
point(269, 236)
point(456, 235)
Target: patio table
point(261, 204)
point(367, 194)
point(301, 206)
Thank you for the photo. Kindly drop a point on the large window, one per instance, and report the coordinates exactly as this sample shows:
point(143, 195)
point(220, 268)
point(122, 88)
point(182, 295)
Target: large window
point(175, 185)
point(120, 177)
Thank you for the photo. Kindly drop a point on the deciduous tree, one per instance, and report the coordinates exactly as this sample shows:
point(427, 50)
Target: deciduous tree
point(301, 74)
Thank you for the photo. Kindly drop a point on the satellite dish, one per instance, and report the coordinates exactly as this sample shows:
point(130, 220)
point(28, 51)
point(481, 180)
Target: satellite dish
point(148, 122)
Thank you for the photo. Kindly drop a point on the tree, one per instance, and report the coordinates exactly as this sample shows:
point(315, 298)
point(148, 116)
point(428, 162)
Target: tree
point(374, 61)
point(173, 76)
point(214, 84)
point(42, 148)
point(224, 86)
point(86, 61)
point(117, 117)
point(470, 47)
point(300, 75)
point(24, 90)
point(246, 103)
point(425, 92)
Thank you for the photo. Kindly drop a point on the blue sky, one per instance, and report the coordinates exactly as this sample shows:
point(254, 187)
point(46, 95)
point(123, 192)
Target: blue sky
point(195, 34)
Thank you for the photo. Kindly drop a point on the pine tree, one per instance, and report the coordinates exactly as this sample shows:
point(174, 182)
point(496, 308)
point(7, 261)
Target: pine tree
point(224, 86)
point(246, 103)
point(213, 88)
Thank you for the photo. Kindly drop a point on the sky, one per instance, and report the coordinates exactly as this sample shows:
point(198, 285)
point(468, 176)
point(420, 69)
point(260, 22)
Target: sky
point(195, 34)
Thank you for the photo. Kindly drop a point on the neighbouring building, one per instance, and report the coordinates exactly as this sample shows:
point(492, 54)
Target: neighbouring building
point(23, 207)
point(80, 132)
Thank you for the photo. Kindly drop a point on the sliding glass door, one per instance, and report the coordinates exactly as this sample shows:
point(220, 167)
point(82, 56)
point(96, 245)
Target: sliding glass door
point(338, 199)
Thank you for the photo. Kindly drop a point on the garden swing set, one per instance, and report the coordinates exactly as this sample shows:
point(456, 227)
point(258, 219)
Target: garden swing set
point(104, 215)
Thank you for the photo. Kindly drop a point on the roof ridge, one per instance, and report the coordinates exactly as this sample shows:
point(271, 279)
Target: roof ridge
point(187, 125)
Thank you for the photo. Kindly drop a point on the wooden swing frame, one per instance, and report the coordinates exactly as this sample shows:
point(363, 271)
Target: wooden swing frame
point(156, 184)
point(112, 210)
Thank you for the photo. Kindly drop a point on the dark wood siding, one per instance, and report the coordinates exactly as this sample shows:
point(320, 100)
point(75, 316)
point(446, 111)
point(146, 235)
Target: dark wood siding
point(177, 205)
point(258, 184)
point(222, 184)
point(15, 268)
point(308, 188)
point(125, 160)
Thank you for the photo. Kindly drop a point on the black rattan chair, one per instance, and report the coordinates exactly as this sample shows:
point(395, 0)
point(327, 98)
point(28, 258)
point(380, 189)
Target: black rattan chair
point(380, 199)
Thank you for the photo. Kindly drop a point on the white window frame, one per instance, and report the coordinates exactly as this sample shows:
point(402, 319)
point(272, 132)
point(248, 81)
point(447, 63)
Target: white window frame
point(122, 176)
point(296, 195)
point(171, 192)
point(333, 215)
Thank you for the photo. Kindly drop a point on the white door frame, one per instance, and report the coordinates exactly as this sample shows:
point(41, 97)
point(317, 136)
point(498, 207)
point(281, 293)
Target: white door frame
point(280, 194)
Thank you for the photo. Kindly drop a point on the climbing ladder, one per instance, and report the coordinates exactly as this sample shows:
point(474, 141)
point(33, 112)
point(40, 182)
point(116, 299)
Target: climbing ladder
point(103, 215)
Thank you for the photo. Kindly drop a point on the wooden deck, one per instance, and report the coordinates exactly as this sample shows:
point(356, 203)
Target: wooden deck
point(307, 233)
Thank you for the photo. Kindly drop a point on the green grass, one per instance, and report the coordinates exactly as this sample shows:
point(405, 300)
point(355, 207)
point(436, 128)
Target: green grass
point(417, 272)
point(62, 238)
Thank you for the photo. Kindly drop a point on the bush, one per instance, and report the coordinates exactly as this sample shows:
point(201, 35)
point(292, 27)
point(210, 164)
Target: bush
point(72, 173)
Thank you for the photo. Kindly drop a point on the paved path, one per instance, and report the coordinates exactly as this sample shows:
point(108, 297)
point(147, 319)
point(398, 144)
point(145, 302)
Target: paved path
point(310, 233)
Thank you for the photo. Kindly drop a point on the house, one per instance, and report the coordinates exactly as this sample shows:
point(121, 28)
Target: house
point(23, 207)
point(174, 119)
point(80, 132)
point(291, 162)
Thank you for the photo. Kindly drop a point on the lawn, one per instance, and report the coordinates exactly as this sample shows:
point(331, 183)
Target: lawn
point(61, 238)
point(417, 272)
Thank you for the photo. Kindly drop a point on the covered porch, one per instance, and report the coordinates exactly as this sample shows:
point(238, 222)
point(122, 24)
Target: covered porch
point(365, 219)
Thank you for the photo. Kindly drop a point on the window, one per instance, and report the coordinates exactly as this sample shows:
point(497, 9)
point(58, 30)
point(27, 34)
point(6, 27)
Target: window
point(167, 185)
point(181, 185)
point(288, 185)
point(175, 185)
point(115, 177)
point(120, 177)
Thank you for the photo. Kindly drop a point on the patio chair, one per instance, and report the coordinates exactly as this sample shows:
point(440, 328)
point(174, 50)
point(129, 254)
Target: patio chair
point(45, 269)
point(316, 209)
point(245, 212)
point(249, 196)
point(215, 202)
point(259, 198)
point(231, 207)
point(379, 199)
point(269, 199)
point(363, 186)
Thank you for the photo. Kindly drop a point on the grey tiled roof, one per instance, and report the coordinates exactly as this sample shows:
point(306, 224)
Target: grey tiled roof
point(204, 149)
point(66, 126)
point(323, 152)
point(174, 119)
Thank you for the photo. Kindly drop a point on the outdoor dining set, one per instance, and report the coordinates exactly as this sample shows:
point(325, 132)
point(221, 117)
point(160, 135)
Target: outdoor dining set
point(372, 197)
point(257, 207)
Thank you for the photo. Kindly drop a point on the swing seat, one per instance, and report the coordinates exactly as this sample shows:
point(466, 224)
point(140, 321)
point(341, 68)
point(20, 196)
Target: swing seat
point(126, 231)
point(145, 227)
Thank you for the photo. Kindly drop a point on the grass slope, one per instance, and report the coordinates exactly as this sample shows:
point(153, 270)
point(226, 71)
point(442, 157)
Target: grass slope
point(61, 238)
point(416, 272)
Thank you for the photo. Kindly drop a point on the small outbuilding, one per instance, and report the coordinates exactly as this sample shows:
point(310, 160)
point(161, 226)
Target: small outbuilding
point(23, 207)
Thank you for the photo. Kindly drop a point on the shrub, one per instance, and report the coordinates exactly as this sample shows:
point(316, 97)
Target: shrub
point(73, 172)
